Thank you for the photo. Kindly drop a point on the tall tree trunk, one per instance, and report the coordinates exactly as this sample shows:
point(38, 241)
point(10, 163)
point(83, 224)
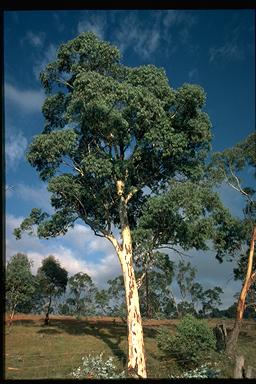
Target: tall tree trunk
point(233, 337)
point(46, 320)
point(136, 351)
point(147, 295)
point(12, 315)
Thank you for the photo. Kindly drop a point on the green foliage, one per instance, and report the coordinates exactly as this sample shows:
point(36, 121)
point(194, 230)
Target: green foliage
point(82, 295)
point(97, 367)
point(192, 344)
point(185, 214)
point(102, 302)
point(106, 122)
point(227, 166)
point(20, 284)
point(52, 278)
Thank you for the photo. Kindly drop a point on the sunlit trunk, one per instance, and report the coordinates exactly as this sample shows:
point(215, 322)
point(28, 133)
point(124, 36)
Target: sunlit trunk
point(232, 339)
point(11, 316)
point(136, 351)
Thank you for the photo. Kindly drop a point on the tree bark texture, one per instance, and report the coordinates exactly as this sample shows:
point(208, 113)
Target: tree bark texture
point(232, 339)
point(136, 351)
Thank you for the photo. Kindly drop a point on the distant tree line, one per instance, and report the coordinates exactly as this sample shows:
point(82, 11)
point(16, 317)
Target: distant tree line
point(52, 291)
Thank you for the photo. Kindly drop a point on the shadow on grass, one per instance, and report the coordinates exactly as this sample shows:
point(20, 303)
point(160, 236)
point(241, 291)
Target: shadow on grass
point(110, 333)
point(26, 323)
point(49, 331)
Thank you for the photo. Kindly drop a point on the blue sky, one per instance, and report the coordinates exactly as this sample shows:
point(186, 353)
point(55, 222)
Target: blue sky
point(213, 48)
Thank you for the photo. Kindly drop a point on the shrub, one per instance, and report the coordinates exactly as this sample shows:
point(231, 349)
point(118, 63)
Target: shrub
point(192, 344)
point(203, 372)
point(95, 367)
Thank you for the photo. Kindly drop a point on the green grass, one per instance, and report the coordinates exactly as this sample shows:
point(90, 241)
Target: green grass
point(34, 351)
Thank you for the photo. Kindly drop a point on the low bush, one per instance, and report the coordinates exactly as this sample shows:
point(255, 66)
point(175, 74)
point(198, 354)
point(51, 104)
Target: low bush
point(96, 367)
point(205, 371)
point(192, 344)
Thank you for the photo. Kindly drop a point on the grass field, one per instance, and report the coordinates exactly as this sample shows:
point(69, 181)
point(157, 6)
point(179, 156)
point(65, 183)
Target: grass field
point(33, 351)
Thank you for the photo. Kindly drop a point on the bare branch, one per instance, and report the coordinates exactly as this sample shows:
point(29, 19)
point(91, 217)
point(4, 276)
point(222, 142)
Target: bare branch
point(173, 249)
point(130, 195)
point(61, 81)
point(73, 167)
point(238, 188)
point(140, 280)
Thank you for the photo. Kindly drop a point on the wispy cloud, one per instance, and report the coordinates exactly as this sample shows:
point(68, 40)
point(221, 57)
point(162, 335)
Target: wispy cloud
point(44, 58)
point(229, 51)
point(28, 100)
point(15, 147)
point(36, 40)
point(232, 48)
point(60, 26)
point(39, 196)
point(175, 17)
point(193, 74)
point(143, 40)
point(146, 38)
point(93, 23)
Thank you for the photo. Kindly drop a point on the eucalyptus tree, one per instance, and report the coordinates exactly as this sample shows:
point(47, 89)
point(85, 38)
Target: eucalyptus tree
point(82, 294)
point(20, 284)
point(227, 166)
point(112, 133)
point(52, 280)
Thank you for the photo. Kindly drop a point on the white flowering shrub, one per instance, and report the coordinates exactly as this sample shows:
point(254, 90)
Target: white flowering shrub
point(203, 372)
point(95, 367)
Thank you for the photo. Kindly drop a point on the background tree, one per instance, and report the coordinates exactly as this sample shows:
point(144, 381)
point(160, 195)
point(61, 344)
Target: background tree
point(52, 279)
point(82, 294)
point(226, 167)
point(110, 132)
point(102, 302)
point(154, 291)
point(19, 282)
point(116, 294)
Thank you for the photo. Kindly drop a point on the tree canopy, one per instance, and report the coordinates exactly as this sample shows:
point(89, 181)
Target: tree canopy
point(106, 122)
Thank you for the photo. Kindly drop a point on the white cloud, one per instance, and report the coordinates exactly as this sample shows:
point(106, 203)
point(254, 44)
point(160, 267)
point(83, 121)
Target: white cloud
point(36, 40)
point(39, 196)
point(193, 74)
point(229, 51)
point(47, 55)
point(210, 272)
point(69, 255)
point(172, 17)
point(28, 100)
point(57, 22)
point(143, 40)
point(15, 147)
point(93, 23)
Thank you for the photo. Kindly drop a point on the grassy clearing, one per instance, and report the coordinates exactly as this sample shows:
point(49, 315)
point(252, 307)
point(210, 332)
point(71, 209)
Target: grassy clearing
point(34, 351)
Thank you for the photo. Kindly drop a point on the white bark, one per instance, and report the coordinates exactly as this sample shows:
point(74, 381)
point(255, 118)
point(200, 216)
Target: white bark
point(136, 351)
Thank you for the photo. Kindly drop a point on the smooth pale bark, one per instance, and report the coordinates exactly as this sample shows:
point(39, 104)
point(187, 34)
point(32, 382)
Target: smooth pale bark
point(232, 339)
point(136, 351)
point(12, 316)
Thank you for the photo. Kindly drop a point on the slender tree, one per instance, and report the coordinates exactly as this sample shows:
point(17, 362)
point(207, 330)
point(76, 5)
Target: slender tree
point(52, 280)
point(82, 293)
point(19, 285)
point(110, 132)
point(226, 167)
